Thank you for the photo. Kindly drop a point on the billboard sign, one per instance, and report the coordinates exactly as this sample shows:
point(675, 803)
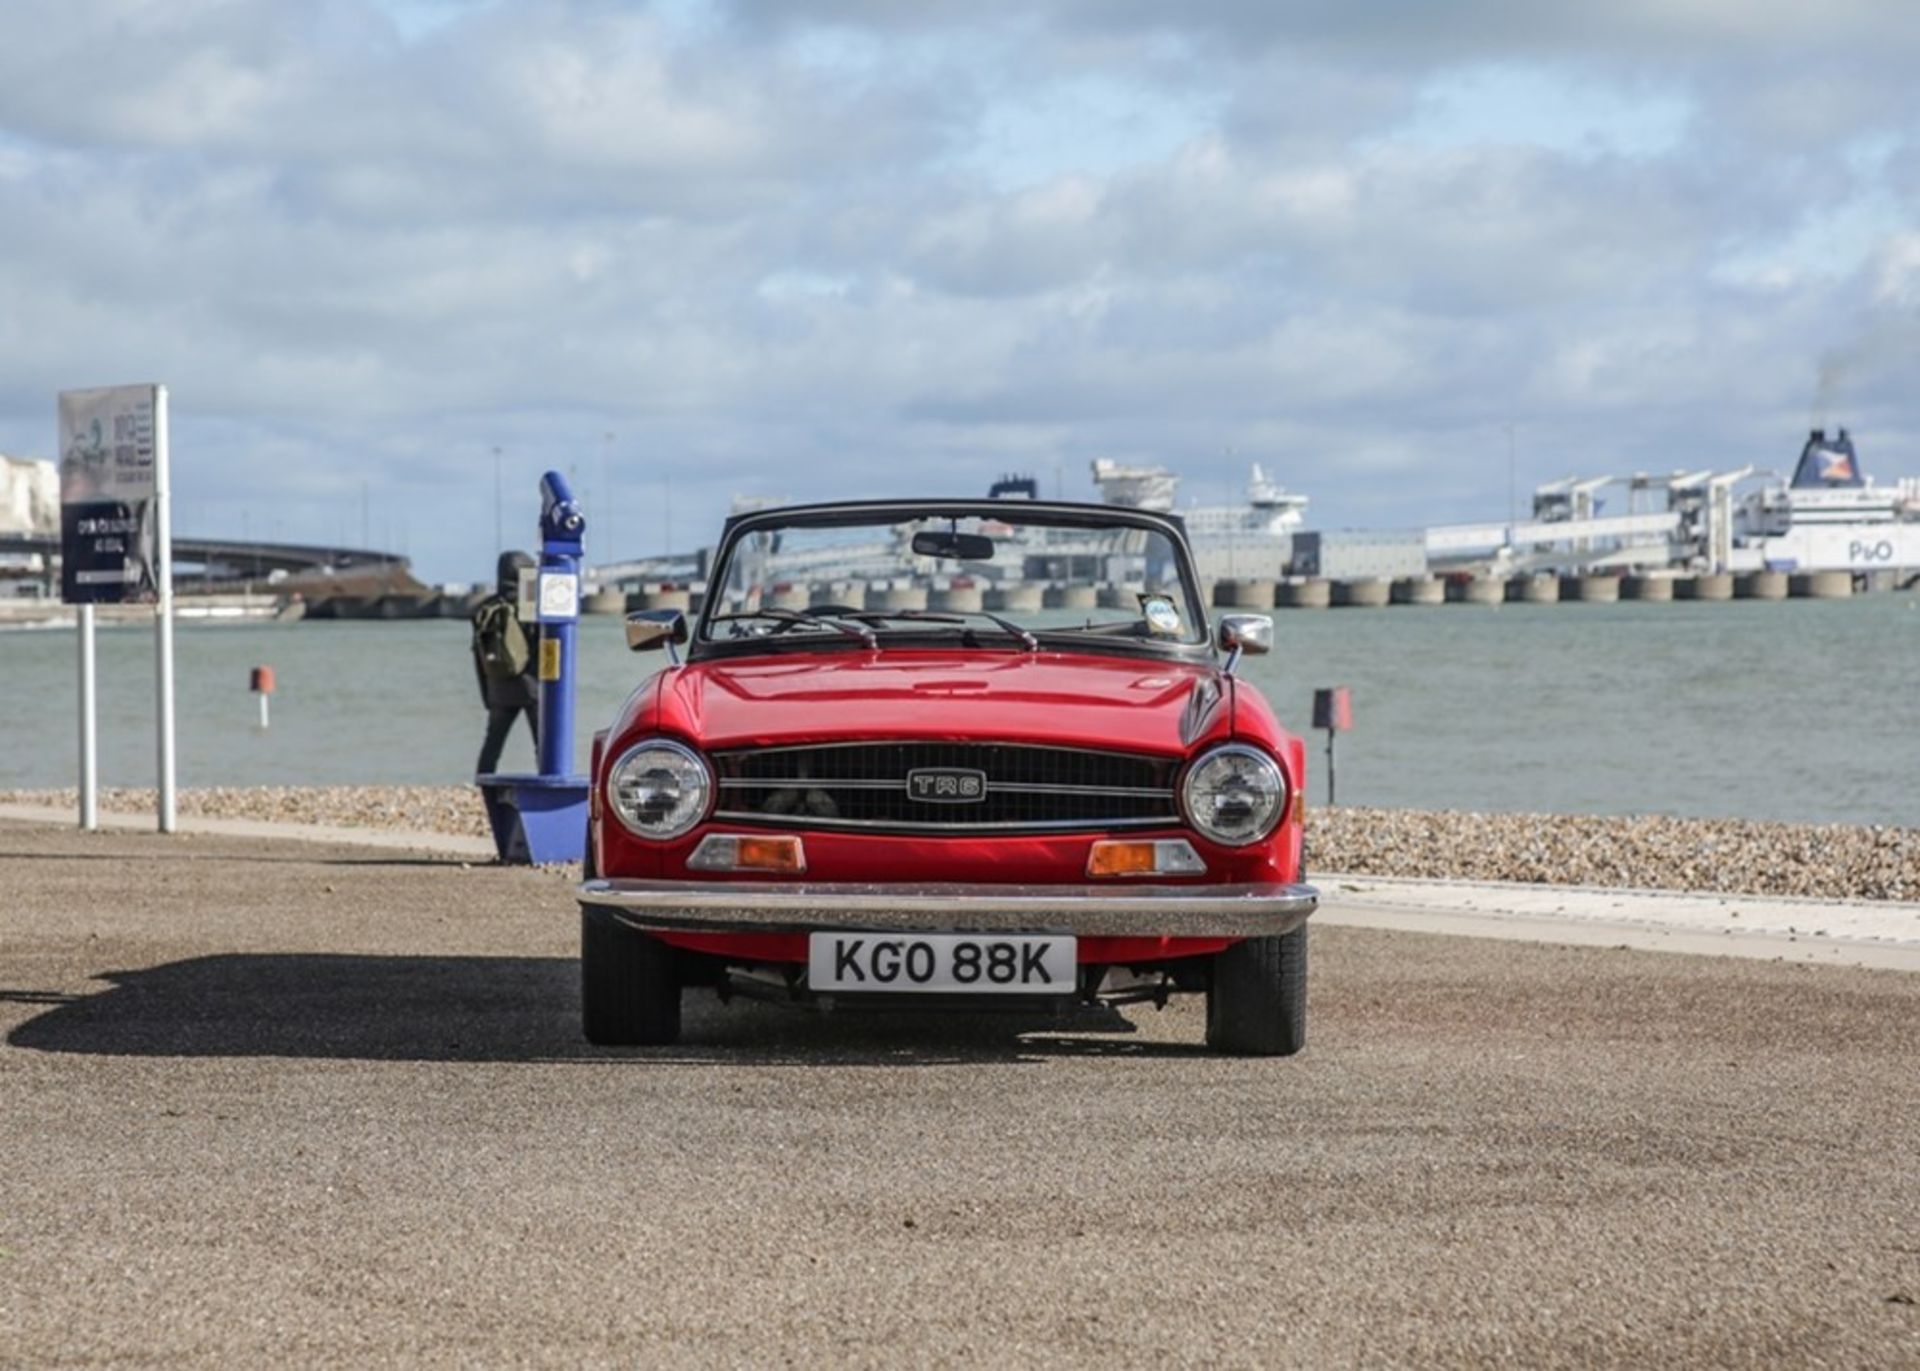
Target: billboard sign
point(109, 533)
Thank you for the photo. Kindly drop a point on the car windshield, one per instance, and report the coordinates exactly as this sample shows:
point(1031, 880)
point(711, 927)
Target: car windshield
point(979, 577)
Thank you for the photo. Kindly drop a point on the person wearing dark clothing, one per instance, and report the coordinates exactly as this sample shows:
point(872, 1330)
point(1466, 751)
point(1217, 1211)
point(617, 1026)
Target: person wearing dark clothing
point(505, 659)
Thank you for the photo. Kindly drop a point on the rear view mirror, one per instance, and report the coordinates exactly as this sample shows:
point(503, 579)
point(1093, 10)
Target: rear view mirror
point(652, 628)
point(1248, 633)
point(958, 547)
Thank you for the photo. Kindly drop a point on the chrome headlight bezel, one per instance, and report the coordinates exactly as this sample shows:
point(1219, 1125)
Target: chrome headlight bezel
point(1270, 799)
point(694, 774)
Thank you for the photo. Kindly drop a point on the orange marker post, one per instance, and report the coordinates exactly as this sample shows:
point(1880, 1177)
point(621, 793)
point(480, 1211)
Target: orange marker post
point(262, 686)
point(1333, 711)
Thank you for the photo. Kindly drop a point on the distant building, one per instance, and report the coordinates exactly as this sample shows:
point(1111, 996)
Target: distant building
point(29, 497)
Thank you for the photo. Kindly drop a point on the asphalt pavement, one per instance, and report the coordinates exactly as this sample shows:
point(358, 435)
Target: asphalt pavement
point(320, 1104)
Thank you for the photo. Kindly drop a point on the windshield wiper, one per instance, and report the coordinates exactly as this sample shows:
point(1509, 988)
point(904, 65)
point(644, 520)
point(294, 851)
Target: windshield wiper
point(957, 616)
point(827, 616)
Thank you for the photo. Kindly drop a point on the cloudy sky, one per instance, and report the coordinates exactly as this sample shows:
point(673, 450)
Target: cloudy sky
point(704, 247)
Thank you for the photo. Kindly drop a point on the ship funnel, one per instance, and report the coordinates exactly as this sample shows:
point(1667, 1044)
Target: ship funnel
point(1827, 462)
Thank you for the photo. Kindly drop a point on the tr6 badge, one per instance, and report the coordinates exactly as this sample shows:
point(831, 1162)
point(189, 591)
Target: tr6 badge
point(947, 785)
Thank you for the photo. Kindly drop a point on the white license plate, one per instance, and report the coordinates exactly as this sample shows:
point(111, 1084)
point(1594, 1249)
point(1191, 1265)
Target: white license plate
point(941, 963)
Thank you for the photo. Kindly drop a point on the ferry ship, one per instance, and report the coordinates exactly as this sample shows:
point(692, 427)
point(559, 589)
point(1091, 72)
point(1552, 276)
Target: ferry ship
point(1254, 538)
point(1830, 517)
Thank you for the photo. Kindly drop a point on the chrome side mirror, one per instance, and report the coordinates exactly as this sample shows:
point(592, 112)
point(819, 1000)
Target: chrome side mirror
point(1250, 634)
point(651, 628)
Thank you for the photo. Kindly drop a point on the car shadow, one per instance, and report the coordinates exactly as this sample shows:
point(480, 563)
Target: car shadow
point(505, 1009)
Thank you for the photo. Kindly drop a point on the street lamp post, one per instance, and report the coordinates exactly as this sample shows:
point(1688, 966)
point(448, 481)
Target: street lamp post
point(499, 529)
point(606, 497)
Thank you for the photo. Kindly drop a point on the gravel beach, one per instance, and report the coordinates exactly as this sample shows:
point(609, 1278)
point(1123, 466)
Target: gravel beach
point(1733, 856)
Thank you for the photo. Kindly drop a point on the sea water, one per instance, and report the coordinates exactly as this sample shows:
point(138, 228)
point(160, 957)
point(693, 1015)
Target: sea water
point(1800, 710)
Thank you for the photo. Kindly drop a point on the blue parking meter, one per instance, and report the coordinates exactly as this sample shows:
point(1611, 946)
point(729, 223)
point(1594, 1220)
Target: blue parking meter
point(543, 817)
point(562, 526)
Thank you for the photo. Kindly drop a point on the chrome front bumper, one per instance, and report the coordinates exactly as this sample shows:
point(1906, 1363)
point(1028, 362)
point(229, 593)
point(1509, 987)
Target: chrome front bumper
point(1170, 911)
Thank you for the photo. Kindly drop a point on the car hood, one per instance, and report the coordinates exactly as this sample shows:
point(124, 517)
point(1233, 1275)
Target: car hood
point(1121, 703)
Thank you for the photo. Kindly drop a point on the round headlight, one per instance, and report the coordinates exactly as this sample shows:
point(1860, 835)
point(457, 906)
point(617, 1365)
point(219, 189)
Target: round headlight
point(659, 789)
point(1235, 795)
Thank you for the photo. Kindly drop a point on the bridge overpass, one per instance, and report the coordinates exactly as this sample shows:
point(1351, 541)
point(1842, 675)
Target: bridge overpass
point(201, 562)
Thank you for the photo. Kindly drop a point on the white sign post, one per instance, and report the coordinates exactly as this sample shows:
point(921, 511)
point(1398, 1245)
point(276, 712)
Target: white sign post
point(89, 749)
point(116, 547)
point(163, 614)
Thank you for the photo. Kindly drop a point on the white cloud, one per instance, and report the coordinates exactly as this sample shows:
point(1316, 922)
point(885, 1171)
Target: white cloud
point(1897, 272)
point(835, 248)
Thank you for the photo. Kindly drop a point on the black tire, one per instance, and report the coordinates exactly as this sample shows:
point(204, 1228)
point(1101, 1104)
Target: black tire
point(629, 984)
point(1257, 1004)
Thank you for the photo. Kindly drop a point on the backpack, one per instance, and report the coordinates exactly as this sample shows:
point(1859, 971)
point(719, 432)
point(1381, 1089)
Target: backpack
point(498, 641)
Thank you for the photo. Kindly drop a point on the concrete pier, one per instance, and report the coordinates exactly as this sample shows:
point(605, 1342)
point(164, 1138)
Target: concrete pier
point(1480, 590)
point(852, 594)
point(1596, 588)
point(661, 597)
point(1707, 585)
point(1419, 590)
point(1656, 588)
point(788, 595)
point(883, 598)
point(958, 598)
point(1119, 597)
point(606, 600)
point(1761, 585)
point(1014, 599)
point(1069, 597)
point(1308, 594)
point(1821, 585)
point(1367, 592)
point(1541, 588)
point(1243, 593)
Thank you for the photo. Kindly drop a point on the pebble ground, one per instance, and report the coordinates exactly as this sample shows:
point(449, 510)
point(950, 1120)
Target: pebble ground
point(1822, 861)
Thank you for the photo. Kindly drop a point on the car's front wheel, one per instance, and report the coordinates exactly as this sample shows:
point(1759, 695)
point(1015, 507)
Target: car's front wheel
point(629, 984)
point(1257, 1002)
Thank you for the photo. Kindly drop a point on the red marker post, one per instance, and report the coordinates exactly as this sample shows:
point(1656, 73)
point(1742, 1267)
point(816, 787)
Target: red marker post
point(262, 686)
point(1333, 711)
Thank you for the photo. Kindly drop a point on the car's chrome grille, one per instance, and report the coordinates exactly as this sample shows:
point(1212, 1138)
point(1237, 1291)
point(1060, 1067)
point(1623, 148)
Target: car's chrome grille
point(982, 787)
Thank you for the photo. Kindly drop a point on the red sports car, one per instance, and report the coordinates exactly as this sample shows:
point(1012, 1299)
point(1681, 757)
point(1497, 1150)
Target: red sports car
point(958, 754)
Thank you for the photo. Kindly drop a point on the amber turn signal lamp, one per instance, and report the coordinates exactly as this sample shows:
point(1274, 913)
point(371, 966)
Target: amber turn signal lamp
point(1120, 859)
point(772, 854)
point(1146, 857)
point(728, 852)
